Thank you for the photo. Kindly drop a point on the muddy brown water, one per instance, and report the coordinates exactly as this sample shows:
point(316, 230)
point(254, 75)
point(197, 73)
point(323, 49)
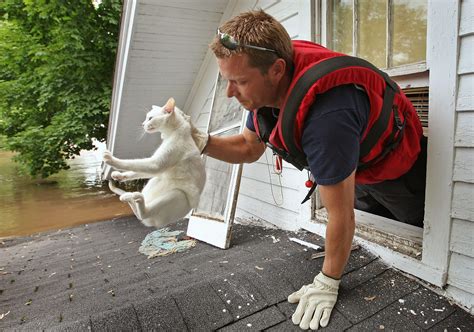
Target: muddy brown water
point(73, 197)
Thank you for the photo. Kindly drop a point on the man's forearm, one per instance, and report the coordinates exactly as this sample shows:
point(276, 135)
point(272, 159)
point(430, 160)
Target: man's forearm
point(234, 149)
point(339, 235)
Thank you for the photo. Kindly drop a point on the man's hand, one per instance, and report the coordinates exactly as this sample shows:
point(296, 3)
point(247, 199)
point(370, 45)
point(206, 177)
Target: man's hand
point(200, 138)
point(316, 302)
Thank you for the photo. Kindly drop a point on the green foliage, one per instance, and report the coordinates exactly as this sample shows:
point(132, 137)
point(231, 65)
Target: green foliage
point(56, 72)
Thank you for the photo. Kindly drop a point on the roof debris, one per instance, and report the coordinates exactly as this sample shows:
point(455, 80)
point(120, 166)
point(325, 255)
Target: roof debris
point(2, 316)
point(162, 242)
point(304, 243)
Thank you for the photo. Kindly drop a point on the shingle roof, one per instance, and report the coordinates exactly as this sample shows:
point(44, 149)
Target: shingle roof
point(92, 276)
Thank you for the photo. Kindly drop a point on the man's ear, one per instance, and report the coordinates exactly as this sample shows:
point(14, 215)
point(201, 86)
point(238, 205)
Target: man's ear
point(169, 106)
point(278, 69)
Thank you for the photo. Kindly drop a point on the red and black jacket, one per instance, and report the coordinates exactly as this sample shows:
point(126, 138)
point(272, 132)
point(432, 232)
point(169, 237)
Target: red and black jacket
point(391, 142)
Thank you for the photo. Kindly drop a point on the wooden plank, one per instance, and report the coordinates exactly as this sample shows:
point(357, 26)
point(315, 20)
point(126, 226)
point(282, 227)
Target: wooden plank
point(465, 98)
point(461, 272)
point(198, 20)
point(283, 218)
point(463, 165)
point(466, 25)
point(466, 60)
point(215, 232)
point(262, 192)
point(463, 198)
point(461, 297)
point(462, 237)
point(397, 260)
point(179, 46)
point(442, 54)
point(464, 130)
point(291, 179)
point(165, 11)
point(218, 5)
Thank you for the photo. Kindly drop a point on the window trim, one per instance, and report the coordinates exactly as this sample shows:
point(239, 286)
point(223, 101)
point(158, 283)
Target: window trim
point(326, 37)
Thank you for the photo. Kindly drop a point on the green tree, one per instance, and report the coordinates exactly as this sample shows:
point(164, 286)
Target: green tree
point(56, 73)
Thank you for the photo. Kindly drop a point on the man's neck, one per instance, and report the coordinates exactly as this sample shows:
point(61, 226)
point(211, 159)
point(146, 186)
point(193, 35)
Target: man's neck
point(282, 91)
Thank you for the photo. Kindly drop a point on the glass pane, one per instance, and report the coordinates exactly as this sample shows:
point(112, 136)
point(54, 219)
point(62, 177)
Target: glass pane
point(340, 26)
point(373, 31)
point(225, 111)
point(409, 31)
point(214, 196)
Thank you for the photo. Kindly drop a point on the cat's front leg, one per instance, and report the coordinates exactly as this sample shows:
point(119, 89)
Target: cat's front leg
point(109, 159)
point(128, 176)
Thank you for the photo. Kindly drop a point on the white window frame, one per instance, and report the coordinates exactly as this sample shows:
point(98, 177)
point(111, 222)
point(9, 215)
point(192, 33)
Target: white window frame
point(441, 61)
point(407, 69)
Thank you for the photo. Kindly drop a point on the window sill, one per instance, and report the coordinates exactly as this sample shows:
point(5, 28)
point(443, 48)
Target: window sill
point(403, 238)
point(413, 68)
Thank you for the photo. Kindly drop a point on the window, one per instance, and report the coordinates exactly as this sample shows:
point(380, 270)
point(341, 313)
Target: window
point(388, 33)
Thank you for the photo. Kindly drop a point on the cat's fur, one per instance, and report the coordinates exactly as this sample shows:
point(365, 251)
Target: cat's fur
point(176, 170)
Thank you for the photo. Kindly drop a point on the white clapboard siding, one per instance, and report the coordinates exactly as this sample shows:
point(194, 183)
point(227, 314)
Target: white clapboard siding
point(466, 25)
point(466, 60)
point(168, 44)
point(464, 165)
point(461, 265)
point(465, 98)
point(461, 272)
point(251, 209)
point(462, 237)
point(465, 129)
point(463, 201)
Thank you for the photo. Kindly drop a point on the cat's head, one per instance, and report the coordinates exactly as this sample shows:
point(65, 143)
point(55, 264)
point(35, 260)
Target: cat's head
point(164, 118)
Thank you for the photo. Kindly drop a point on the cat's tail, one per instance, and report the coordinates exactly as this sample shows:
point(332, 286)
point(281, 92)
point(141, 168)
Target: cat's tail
point(114, 189)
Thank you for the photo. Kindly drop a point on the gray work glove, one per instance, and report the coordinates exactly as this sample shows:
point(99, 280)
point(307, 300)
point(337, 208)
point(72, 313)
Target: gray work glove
point(316, 302)
point(200, 138)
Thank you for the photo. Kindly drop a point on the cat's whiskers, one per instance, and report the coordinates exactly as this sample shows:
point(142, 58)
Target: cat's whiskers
point(140, 133)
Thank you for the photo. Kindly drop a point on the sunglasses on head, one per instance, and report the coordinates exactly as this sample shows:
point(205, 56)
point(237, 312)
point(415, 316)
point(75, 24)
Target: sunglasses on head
point(230, 43)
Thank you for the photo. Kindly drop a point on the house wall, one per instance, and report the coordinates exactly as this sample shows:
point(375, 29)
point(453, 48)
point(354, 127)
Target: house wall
point(263, 195)
point(166, 47)
point(461, 265)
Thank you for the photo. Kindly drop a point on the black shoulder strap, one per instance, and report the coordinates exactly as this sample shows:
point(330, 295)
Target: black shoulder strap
point(310, 77)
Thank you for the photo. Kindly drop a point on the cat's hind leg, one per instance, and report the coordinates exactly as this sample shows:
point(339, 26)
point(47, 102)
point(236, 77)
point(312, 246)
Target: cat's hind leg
point(167, 208)
point(133, 200)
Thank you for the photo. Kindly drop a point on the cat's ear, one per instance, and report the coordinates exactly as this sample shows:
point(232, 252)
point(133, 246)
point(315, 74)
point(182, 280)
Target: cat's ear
point(169, 106)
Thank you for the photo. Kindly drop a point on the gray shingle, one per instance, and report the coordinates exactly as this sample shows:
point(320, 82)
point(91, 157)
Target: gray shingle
point(201, 308)
point(121, 319)
point(257, 322)
point(160, 314)
point(374, 295)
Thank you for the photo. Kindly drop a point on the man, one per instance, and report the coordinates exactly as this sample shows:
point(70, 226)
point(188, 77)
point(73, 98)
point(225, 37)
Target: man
point(262, 66)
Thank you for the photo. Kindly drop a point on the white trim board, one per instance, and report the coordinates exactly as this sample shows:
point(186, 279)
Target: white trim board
point(125, 39)
point(442, 55)
point(397, 260)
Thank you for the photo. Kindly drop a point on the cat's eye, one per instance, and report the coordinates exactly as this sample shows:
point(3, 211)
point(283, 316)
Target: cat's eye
point(149, 118)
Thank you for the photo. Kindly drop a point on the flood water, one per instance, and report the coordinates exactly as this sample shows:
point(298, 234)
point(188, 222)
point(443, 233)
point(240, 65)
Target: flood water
point(72, 197)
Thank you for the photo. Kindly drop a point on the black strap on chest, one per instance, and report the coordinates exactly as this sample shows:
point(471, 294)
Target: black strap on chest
point(308, 79)
point(316, 72)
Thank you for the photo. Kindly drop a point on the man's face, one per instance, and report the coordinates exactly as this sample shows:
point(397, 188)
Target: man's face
point(247, 84)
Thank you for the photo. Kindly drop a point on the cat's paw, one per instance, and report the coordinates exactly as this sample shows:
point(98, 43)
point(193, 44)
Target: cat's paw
point(118, 176)
point(107, 157)
point(138, 197)
point(127, 197)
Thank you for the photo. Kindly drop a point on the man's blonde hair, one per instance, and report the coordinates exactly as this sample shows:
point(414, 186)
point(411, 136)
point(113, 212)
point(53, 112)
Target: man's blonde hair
point(256, 28)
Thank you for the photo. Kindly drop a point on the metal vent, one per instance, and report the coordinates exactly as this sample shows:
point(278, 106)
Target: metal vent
point(419, 98)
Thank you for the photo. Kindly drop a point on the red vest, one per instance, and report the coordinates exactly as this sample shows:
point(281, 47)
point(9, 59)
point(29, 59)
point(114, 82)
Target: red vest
point(394, 164)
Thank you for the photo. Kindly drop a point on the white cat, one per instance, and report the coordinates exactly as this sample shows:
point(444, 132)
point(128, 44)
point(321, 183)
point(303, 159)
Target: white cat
point(176, 170)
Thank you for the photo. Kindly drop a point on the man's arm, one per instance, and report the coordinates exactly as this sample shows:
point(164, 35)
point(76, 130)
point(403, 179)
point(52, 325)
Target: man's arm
point(339, 202)
point(236, 149)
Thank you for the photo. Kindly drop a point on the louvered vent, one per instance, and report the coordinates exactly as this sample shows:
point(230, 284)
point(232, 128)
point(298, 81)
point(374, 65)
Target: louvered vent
point(419, 98)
